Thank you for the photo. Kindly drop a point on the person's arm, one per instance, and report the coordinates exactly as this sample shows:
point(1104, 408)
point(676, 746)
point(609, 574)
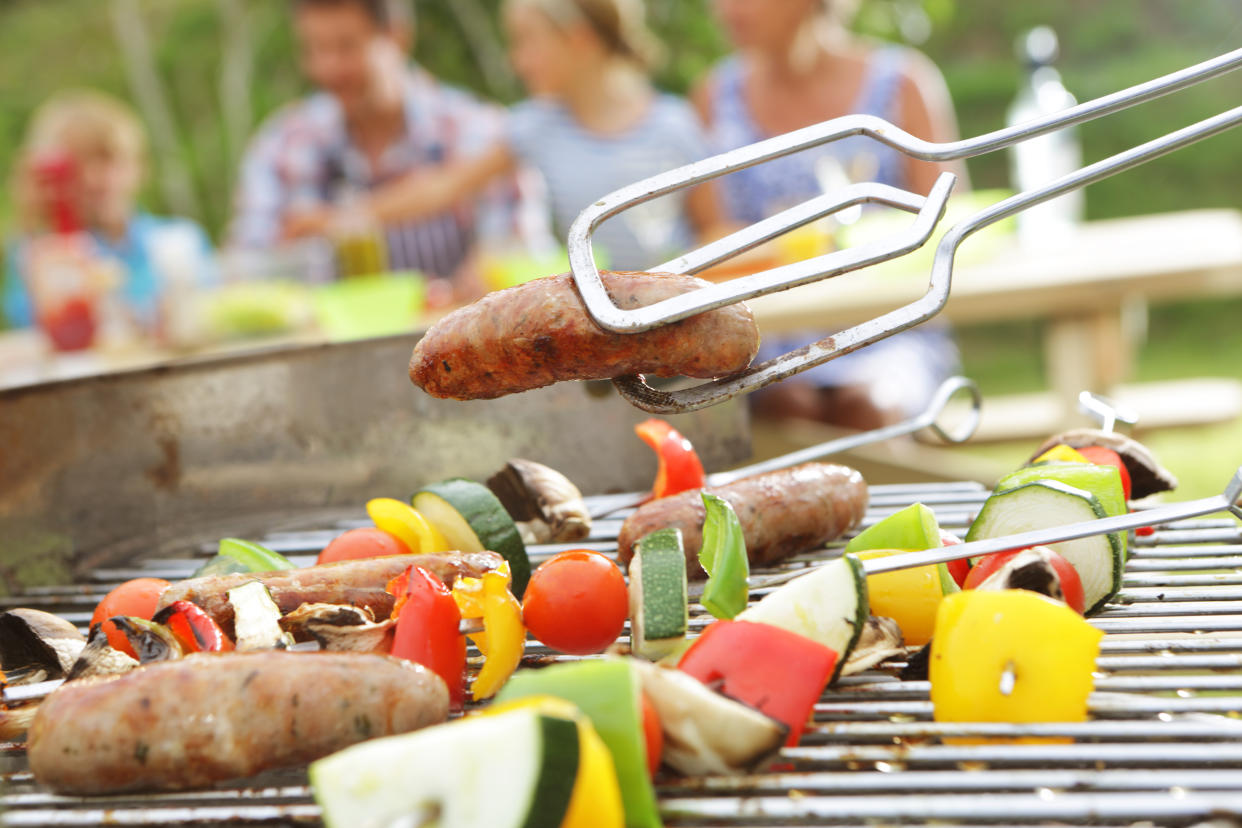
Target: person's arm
point(14, 299)
point(701, 100)
point(704, 205)
point(926, 111)
point(706, 215)
point(416, 195)
point(426, 192)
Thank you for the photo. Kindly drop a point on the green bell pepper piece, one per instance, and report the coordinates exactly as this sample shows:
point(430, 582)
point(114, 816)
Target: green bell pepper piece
point(236, 555)
point(609, 693)
point(723, 556)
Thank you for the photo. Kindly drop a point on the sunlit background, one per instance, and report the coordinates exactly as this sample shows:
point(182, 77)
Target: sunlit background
point(204, 73)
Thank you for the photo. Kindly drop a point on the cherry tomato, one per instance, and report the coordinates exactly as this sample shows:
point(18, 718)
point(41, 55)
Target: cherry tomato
point(1101, 456)
point(576, 602)
point(1071, 583)
point(362, 543)
point(138, 598)
point(959, 569)
point(653, 735)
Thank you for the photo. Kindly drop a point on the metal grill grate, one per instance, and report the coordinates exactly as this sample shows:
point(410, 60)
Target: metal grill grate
point(1164, 744)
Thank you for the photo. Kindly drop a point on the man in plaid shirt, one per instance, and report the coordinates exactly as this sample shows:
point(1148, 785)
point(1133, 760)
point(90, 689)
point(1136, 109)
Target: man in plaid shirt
point(374, 119)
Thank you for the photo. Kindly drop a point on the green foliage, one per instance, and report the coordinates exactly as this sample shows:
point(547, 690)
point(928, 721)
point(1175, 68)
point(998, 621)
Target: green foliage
point(46, 45)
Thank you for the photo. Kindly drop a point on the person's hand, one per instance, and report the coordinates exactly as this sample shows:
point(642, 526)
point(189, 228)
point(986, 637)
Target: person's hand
point(316, 221)
point(468, 282)
point(32, 197)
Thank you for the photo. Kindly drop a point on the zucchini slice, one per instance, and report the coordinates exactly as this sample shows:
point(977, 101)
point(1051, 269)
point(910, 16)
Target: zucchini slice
point(659, 603)
point(472, 519)
point(516, 769)
point(828, 605)
point(1102, 481)
point(1040, 504)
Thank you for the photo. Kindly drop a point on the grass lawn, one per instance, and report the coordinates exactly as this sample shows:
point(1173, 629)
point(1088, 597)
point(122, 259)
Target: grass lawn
point(1194, 339)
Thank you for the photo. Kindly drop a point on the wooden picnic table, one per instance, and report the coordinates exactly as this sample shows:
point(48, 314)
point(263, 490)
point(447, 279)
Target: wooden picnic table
point(1093, 287)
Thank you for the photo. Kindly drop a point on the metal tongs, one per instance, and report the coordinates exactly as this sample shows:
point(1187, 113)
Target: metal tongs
point(928, 211)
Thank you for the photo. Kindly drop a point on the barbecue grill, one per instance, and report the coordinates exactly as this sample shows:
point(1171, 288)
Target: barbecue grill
point(1163, 746)
point(102, 470)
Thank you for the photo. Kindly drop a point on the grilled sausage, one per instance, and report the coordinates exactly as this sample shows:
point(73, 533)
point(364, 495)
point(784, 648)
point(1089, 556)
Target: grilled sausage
point(189, 723)
point(539, 333)
point(358, 582)
point(782, 513)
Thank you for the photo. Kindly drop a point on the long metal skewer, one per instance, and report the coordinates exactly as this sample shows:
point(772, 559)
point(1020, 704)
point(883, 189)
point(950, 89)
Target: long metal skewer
point(603, 505)
point(1227, 501)
point(929, 209)
point(21, 693)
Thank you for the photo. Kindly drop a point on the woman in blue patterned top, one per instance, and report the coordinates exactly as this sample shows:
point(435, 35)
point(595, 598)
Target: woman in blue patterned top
point(593, 123)
point(796, 65)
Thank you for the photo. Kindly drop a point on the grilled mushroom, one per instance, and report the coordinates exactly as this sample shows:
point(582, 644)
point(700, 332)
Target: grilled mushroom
point(36, 646)
point(1147, 476)
point(98, 658)
point(544, 504)
point(880, 640)
point(338, 627)
point(1030, 569)
point(705, 732)
point(14, 723)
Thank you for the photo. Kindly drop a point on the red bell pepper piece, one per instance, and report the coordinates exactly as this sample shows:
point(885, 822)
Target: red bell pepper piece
point(428, 630)
point(195, 630)
point(680, 468)
point(773, 670)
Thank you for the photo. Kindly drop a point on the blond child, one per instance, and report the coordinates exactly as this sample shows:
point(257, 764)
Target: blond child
point(99, 146)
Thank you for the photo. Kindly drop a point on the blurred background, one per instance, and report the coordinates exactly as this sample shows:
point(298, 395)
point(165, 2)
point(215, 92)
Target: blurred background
point(203, 74)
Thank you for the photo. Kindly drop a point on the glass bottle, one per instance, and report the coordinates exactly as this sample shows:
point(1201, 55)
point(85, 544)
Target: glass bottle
point(1037, 161)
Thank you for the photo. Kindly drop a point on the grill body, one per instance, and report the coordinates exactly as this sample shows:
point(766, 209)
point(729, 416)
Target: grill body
point(1163, 746)
point(105, 469)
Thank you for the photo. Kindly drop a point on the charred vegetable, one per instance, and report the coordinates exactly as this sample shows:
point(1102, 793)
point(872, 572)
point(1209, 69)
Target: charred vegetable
point(151, 641)
point(879, 641)
point(98, 658)
point(36, 646)
point(15, 722)
point(339, 628)
point(193, 628)
point(546, 506)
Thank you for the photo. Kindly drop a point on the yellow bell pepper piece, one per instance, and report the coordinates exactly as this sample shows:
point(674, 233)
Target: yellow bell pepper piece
point(1061, 453)
point(596, 798)
point(1011, 656)
point(404, 521)
point(503, 640)
point(910, 597)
